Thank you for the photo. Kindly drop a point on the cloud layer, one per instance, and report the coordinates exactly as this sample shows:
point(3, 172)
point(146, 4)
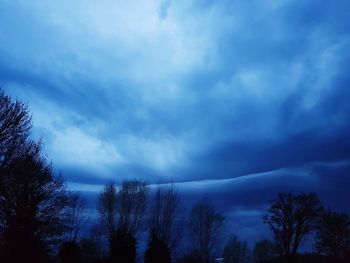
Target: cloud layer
point(187, 91)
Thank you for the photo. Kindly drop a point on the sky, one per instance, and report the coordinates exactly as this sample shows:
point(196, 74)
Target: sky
point(231, 100)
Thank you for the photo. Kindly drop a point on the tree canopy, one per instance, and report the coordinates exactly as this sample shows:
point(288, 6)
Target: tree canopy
point(333, 234)
point(32, 197)
point(292, 217)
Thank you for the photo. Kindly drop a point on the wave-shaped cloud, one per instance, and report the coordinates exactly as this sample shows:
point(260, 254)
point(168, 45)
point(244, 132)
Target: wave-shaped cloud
point(180, 90)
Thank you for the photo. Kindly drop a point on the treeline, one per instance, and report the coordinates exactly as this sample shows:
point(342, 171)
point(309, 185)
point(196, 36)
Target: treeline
point(42, 221)
point(290, 217)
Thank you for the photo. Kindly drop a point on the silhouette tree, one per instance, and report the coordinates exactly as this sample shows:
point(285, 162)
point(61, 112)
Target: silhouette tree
point(121, 209)
point(157, 251)
point(292, 217)
point(32, 198)
point(15, 125)
point(205, 229)
point(107, 208)
point(123, 247)
point(75, 214)
point(333, 234)
point(164, 223)
point(91, 247)
point(236, 251)
point(90, 250)
point(265, 250)
point(131, 205)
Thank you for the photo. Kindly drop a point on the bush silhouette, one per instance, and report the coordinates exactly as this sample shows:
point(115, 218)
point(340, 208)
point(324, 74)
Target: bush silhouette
point(122, 247)
point(157, 252)
point(22, 246)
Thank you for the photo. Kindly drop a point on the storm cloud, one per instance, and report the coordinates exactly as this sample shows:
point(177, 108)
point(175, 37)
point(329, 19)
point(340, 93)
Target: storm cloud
point(233, 99)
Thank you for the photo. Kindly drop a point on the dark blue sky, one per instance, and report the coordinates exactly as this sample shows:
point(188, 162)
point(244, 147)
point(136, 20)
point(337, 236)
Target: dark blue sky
point(238, 100)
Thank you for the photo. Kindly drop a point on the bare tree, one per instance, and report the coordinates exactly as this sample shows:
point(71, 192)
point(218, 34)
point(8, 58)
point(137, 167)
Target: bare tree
point(131, 205)
point(122, 207)
point(265, 250)
point(292, 217)
point(205, 228)
point(236, 251)
point(107, 208)
point(121, 210)
point(333, 234)
point(15, 125)
point(76, 213)
point(32, 197)
point(164, 212)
